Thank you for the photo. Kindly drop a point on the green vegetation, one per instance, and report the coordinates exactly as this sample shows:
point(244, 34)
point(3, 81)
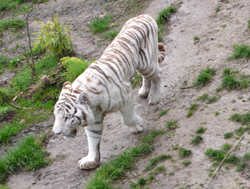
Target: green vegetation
point(243, 119)
point(228, 135)
point(196, 38)
point(248, 22)
point(109, 34)
point(156, 160)
point(163, 17)
point(186, 163)
point(204, 77)
point(100, 25)
point(192, 109)
point(73, 68)
point(203, 97)
point(217, 113)
point(55, 37)
point(240, 52)
point(172, 124)
point(233, 80)
point(28, 154)
point(117, 168)
point(163, 112)
point(184, 153)
point(12, 24)
point(136, 79)
point(200, 130)
point(217, 9)
point(196, 140)
point(15, 4)
point(212, 99)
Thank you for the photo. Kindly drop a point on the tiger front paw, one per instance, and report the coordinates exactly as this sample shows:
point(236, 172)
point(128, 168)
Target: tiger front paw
point(87, 164)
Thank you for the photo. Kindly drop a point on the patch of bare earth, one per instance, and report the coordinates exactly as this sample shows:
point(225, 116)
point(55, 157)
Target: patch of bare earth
point(218, 33)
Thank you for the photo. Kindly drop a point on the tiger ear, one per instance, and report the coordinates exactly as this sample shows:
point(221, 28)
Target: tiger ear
point(83, 99)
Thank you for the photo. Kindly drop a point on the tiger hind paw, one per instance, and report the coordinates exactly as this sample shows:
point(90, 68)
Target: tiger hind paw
point(85, 164)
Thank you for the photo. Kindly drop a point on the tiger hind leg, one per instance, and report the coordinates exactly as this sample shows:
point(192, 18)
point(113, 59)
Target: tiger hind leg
point(92, 160)
point(145, 88)
point(131, 119)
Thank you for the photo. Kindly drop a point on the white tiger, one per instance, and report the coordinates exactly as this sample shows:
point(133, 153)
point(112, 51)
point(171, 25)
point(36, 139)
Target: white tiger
point(105, 86)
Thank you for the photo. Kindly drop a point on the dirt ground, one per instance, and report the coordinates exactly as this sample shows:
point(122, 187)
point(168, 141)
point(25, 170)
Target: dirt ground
point(218, 32)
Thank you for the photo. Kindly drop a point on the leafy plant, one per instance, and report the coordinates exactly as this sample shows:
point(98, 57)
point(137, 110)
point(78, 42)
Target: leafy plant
point(163, 112)
point(204, 77)
point(196, 140)
point(172, 124)
point(212, 99)
point(186, 163)
point(228, 135)
point(55, 37)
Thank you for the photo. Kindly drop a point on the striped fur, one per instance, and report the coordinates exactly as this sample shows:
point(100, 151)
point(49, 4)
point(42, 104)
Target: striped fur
point(105, 85)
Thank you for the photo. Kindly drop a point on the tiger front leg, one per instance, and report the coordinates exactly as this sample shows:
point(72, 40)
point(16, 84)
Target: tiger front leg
point(92, 160)
point(131, 119)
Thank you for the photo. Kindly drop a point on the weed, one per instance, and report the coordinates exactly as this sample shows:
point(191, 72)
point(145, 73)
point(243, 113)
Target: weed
point(204, 77)
point(231, 82)
point(99, 25)
point(12, 24)
point(172, 124)
point(243, 119)
point(55, 37)
point(240, 51)
point(196, 140)
point(147, 139)
point(248, 23)
point(109, 35)
point(212, 99)
point(192, 109)
point(186, 163)
point(228, 135)
point(217, 9)
point(196, 38)
point(240, 131)
point(163, 112)
point(142, 181)
point(216, 155)
point(184, 153)
point(203, 97)
point(136, 79)
point(156, 160)
point(165, 14)
point(8, 131)
point(217, 113)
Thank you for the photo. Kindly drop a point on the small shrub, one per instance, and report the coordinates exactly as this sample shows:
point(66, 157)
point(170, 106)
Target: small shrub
point(172, 124)
point(99, 25)
point(240, 51)
point(55, 37)
point(73, 68)
point(186, 163)
point(228, 135)
point(204, 77)
point(12, 24)
point(196, 140)
point(184, 153)
point(165, 14)
point(192, 109)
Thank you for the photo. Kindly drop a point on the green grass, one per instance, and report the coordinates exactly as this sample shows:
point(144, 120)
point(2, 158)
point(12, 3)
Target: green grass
point(192, 109)
point(117, 168)
point(196, 140)
point(203, 97)
point(15, 4)
point(172, 124)
point(184, 153)
point(240, 52)
point(248, 23)
point(153, 162)
point(100, 25)
point(6, 132)
point(200, 130)
point(109, 34)
point(151, 136)
point(163, 17)
point(27, 154)
point(196, 38)
point(228, 135)
point(212, 99)
point(73, 68)
point(243, 119)
point(163, 112)
point(12, 24)
point(186, 163)
point(204, 77)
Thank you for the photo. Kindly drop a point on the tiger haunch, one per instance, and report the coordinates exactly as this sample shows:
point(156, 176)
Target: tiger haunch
point(105, 86)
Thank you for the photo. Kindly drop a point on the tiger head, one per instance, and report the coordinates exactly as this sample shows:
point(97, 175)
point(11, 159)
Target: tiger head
point(71, 110)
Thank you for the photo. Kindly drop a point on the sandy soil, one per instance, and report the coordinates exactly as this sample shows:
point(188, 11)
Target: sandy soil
point(218, 33)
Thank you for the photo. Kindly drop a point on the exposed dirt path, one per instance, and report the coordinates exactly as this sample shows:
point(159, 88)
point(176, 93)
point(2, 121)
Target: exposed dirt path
point(218, 33)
